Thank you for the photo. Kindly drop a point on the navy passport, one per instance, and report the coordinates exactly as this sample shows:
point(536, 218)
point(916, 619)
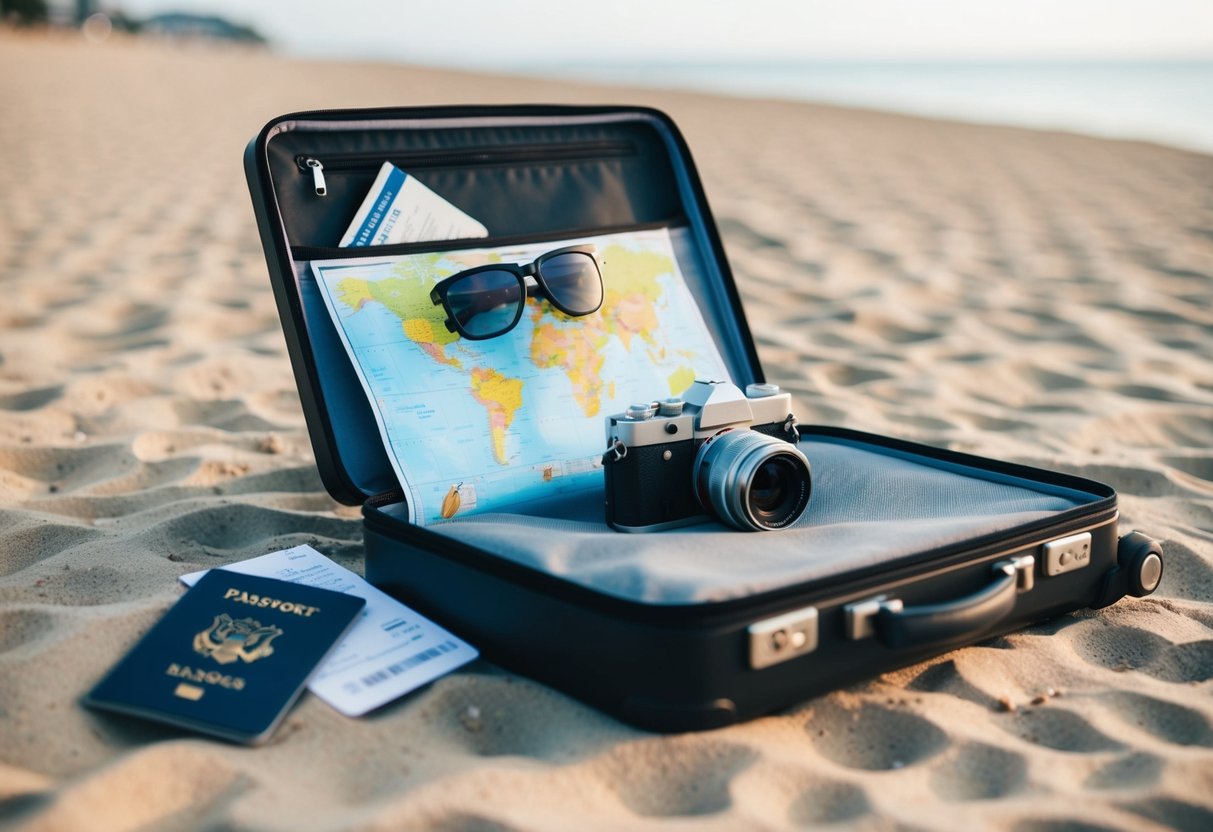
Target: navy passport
point(230, 657)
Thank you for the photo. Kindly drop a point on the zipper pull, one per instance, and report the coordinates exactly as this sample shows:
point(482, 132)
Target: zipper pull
point(317, 175)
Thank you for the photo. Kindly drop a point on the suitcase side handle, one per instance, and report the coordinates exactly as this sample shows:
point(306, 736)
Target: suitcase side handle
point(898, 626)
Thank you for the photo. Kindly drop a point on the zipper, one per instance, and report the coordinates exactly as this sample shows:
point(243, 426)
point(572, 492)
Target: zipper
point(386, 498)
point(369, 162)
point(317, 175)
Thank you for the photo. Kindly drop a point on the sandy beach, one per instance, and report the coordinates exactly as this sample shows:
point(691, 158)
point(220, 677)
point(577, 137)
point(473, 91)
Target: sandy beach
point(1041, 297)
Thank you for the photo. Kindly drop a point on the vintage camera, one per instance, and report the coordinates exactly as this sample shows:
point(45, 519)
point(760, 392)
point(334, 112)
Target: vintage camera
point(712, 451)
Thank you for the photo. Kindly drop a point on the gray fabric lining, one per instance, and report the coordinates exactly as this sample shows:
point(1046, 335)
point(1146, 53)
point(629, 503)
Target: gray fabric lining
point(868, 508)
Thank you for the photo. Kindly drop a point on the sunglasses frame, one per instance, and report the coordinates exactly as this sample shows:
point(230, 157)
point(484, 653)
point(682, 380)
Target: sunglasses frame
point(520, 271)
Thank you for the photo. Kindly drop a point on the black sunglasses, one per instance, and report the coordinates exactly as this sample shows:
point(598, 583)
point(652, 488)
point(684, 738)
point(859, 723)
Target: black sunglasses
point(487, 301)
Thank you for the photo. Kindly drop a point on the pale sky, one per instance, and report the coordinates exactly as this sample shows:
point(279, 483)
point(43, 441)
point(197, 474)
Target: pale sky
point(505, 33)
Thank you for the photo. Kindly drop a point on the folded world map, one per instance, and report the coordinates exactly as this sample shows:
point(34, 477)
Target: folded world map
point(510, 423)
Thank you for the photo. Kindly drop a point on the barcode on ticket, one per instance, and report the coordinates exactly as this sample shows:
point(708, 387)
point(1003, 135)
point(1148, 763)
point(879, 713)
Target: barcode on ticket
point(408, 664)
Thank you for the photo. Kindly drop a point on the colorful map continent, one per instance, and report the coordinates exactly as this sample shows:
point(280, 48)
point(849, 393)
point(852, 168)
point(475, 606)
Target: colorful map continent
point(422, 321)
point(406, 295)
point(629, 311)
point(501, 397)
point(575, 348)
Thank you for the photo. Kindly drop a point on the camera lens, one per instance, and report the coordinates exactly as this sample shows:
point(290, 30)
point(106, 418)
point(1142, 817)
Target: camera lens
point(775, 487)
point(752, 481)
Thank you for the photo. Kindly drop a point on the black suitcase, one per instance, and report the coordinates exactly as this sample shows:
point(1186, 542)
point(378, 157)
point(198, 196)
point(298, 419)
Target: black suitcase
point(906, 550)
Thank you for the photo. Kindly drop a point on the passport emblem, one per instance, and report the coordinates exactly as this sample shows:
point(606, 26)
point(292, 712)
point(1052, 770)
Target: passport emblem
point(228, 640)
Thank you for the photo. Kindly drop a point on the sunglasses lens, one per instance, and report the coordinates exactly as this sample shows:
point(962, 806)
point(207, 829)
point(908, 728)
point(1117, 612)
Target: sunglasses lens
point(485, 303)
point(573, 282)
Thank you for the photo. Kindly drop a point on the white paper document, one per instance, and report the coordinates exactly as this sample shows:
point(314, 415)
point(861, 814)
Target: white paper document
point(389, 651)
point(399, 209)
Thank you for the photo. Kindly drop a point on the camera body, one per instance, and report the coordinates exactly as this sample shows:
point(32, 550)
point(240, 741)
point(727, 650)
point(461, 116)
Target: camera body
point(713, 451)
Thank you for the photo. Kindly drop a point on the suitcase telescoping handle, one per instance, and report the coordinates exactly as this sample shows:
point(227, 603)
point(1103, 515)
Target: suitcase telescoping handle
point(896, 625)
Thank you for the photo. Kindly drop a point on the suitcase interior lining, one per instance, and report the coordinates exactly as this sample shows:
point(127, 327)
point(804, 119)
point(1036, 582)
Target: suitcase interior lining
point(515, 178)
point(871, 506)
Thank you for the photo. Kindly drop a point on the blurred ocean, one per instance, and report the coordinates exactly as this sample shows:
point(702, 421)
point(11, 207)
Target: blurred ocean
point(1160, 101)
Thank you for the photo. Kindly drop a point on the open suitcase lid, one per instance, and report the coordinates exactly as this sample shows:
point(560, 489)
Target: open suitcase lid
point(524, 171)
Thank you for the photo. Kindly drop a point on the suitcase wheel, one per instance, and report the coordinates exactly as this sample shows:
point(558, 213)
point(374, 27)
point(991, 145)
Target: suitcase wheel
point(1140, 558)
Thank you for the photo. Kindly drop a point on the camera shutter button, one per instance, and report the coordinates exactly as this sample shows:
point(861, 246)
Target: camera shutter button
point(761, 391)
point(670, 407)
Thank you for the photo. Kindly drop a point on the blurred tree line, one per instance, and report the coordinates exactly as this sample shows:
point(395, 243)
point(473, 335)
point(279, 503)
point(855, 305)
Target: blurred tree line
point(170, 24)
point(23, 12)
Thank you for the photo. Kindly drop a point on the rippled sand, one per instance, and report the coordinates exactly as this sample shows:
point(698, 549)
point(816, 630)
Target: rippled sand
point(1041, 297)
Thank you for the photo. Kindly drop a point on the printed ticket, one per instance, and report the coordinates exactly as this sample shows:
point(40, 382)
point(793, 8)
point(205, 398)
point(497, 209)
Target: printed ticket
point(400, 209)
point(389, 651)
